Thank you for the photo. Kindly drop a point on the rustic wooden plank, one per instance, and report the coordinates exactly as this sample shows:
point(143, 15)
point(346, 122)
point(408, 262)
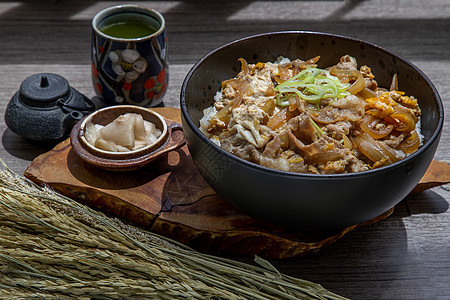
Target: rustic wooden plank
point(170, 197)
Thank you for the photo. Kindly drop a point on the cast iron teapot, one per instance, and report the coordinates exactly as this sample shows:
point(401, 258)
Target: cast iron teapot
point(46, 108)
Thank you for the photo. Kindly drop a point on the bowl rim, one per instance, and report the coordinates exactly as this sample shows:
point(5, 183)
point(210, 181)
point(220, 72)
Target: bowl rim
point(258, 167)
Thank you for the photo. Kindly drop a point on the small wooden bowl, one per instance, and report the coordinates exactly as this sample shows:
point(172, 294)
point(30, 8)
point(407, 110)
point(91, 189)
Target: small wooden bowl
point(171, 138)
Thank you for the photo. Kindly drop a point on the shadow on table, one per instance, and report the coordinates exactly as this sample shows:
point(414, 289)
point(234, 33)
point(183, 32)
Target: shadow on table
point(22, 148)
point(427, 202)
point(374, 261)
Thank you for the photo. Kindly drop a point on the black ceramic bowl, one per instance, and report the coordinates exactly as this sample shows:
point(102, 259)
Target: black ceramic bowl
point(307, 201)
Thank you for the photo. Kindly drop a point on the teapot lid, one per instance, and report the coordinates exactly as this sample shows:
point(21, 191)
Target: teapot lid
point(42, 90)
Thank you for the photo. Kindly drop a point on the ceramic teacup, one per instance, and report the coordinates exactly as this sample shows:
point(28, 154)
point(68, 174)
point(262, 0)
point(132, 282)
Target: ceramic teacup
point(129, 56)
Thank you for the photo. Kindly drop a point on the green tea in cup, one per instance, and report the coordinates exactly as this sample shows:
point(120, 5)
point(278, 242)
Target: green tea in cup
point(129, 26)
point(128, 29)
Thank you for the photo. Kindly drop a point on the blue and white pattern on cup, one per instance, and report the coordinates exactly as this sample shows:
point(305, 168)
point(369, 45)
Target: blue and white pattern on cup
point(131, 72)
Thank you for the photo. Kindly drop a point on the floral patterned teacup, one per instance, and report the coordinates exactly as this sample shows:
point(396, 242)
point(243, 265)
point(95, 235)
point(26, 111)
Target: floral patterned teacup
point(129, 69)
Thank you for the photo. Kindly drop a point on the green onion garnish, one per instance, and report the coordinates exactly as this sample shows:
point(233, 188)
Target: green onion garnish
point(311, 85)
point(319, 130)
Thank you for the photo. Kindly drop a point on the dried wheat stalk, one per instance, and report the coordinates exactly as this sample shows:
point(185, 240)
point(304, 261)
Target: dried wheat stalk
point(53, 247)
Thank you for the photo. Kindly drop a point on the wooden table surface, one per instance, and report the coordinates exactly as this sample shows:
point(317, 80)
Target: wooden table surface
point(406, 256)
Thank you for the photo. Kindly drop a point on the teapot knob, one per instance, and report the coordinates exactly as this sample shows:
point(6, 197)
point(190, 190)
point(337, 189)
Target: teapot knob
point(44, 81)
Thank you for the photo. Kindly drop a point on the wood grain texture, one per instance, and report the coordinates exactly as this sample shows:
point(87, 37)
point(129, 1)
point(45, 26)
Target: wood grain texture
point(404, 257)
point(170, 197)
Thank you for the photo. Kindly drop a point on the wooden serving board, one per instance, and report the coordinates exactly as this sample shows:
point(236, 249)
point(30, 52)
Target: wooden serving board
point(170, 198)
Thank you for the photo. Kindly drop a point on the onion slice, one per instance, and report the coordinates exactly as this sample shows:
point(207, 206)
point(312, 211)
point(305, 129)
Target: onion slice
point(377, 151)
point(410, 144)
point(278, 119)
point(244, 65)
point(366, 93)
point(394, 83)
point(349, 75)
point(403, 122)
point(374, 127)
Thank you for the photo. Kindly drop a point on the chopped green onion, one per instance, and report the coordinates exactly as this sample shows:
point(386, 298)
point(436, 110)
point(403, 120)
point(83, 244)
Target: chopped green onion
point(311, 85)
point(282, 102)
point(319, 130)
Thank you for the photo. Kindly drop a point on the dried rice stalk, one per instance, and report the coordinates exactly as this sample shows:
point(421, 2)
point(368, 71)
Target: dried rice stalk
point(53, 247)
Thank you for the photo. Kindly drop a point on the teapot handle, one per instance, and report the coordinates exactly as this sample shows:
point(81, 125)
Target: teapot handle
point(89, 108)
